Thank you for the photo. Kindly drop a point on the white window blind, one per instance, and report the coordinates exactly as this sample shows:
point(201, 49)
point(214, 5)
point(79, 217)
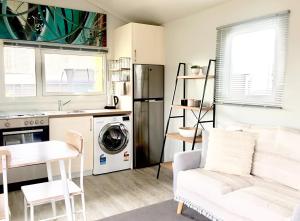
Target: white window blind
point(251, 59)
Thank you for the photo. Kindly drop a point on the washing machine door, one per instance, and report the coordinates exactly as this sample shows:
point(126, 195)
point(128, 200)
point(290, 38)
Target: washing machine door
point(113, 138)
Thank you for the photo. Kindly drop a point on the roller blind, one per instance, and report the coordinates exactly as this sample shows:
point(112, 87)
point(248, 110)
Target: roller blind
point(251, 60)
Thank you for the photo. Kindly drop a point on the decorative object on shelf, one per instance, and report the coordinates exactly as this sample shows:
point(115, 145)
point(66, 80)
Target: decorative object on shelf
point(193, 103)
point(184, 102)
point(189, 131)
point(204, 70)
point(195, 69)
point(43, 23)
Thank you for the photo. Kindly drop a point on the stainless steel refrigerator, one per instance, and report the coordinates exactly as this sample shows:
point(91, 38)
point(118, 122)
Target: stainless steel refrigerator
point(148, 112)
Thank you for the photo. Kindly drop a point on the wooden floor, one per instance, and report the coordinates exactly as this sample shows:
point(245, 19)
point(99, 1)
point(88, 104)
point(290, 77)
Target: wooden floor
point(109, 194)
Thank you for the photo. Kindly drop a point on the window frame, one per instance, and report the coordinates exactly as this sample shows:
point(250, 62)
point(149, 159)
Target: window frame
point(223, 89)
point(44, 51)
point(3, 85)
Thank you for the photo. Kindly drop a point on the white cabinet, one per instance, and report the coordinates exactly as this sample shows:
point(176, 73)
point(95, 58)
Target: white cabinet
point(84, 125)
point(143, 43)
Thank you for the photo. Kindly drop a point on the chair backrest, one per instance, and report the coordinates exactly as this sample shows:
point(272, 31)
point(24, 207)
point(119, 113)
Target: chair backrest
point(75, 139)
point(4, 152)
point(5, 162)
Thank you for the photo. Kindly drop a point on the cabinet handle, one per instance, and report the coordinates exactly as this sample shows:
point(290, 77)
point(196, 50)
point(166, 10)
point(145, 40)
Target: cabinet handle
point(135, 55)
point(91, 124)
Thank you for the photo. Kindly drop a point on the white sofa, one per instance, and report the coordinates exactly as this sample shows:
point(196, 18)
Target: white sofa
point(270, 193)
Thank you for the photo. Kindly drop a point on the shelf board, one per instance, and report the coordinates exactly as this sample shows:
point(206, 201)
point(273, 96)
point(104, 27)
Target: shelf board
point(118, 70)
point(190, 108)
point(195, 77)
point(177, 136)
point(167, 165)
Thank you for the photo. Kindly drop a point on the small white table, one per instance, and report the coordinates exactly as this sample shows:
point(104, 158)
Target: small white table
point(45, 152)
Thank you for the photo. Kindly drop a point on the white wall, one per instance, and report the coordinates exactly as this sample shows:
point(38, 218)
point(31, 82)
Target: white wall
point(193, 40)
point(50, 102)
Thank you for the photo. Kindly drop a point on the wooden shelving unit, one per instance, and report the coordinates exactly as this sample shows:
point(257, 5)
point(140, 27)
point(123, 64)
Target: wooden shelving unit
point(191, 108)
point(203, 110)
point(177, 136)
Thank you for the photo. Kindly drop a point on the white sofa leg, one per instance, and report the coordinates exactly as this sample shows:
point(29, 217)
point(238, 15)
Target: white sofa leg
point(179, 208)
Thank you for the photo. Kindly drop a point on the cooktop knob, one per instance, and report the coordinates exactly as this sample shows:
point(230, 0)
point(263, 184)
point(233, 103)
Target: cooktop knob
point(7, 124)
point(42, 121)
point(26, 123)
point(36, 122)
point(31, 122)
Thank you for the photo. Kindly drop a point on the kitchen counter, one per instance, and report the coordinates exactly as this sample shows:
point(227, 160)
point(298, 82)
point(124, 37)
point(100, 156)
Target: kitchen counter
point(98, 112)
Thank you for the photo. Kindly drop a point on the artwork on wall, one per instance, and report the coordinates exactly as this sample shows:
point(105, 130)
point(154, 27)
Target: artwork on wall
point(42, 23)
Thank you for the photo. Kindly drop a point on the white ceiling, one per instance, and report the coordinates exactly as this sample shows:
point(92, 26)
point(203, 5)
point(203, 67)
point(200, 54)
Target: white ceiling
point(154, 11)
point(144, 11)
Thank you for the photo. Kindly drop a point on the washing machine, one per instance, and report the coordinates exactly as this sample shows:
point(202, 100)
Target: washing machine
point(113, 145)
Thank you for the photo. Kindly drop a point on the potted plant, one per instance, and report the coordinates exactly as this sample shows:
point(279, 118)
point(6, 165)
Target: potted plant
point(196, 69)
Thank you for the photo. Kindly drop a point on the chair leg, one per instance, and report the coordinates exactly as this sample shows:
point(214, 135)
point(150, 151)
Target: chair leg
point(31, 212)
point(83, 206)
point(73, 207)
point(25, 210)
point(53, 205)
point(179, 208)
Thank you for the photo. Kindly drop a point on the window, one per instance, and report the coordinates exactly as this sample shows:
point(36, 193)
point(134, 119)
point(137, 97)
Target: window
point(251, 61)
point(19, 71)
point(68, 72)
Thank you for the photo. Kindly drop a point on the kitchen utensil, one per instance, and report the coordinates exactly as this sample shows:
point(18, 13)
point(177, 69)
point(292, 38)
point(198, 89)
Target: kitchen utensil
point(112, 102)
point(188, 131)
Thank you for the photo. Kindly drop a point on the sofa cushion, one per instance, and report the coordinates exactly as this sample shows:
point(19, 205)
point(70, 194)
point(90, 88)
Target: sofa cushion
point(277, 155)
point(263, 202)
point(209, 184)
point(230, 152)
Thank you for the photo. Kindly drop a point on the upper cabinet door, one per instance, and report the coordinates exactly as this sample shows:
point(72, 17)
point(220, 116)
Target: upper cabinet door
point(147, 44)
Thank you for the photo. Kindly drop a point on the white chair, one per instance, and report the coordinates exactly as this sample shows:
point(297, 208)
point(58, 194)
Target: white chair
point(4, 208)
point(52, 191)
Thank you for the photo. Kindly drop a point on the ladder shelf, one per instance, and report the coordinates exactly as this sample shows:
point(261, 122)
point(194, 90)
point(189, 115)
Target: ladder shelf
point(191, 108)
point(177, 136)
point(203, 110)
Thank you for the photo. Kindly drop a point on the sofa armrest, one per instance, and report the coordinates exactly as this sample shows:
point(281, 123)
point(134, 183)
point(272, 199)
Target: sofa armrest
point(296, 214)
point(185, 161)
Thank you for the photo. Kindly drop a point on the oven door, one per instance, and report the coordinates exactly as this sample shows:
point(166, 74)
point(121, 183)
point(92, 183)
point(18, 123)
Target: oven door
point(29, 174)
point(23, 135)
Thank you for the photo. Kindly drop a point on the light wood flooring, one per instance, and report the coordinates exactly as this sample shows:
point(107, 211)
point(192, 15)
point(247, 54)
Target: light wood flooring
point(109, 194)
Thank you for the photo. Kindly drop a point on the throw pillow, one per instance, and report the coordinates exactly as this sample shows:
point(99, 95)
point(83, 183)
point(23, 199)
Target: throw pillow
point(230, 152)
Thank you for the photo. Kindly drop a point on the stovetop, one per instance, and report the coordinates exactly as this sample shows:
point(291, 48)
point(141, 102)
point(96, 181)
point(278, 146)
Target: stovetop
point(23, 120)
point(21, 115)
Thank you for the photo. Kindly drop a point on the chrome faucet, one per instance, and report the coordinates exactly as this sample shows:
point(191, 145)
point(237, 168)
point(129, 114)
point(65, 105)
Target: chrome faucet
point(61, 104)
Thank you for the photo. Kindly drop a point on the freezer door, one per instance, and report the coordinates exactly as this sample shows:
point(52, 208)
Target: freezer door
point(141, 81)
point(156, 81)
point(156, 130)
point(141, 134)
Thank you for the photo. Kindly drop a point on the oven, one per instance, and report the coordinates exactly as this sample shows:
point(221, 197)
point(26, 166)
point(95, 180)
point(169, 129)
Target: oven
point(23, 135)
point(21, 129)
